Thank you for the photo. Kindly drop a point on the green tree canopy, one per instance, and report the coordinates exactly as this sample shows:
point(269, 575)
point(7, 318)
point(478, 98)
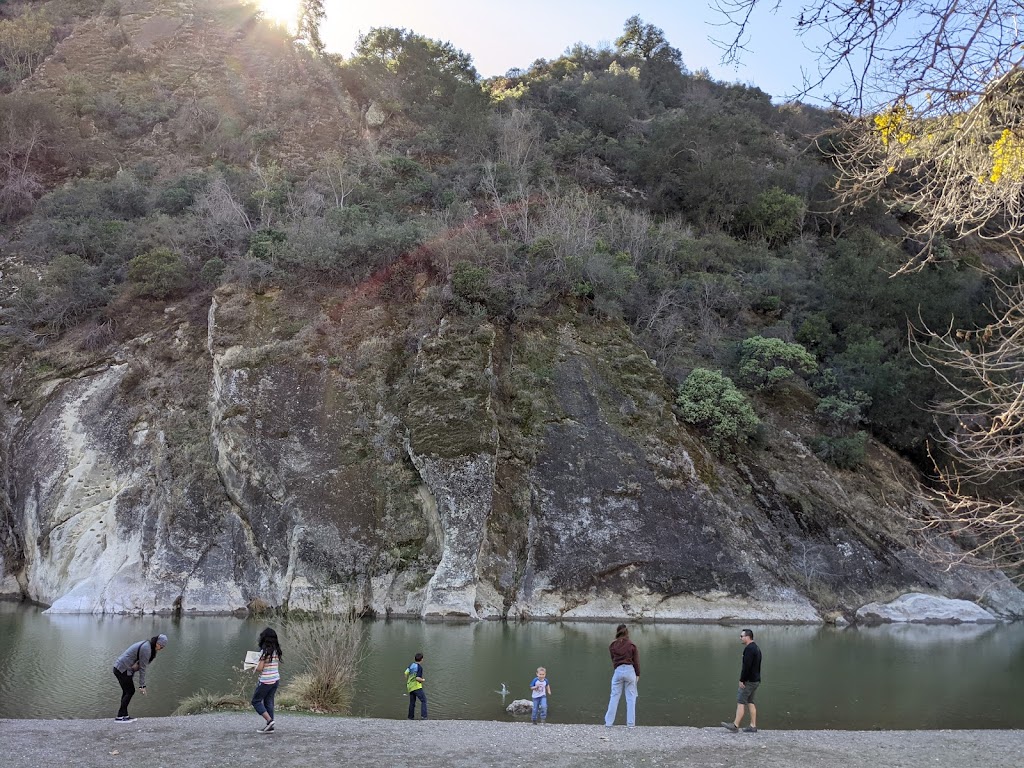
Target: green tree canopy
point(710, 401)
point(765, 362)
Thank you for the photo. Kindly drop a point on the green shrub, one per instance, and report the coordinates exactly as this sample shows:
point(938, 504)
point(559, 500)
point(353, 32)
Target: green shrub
point(711, 402)
point(471, 282)
point(267, 244)
point(158, 273)
point(212, 271)
point(202, 701)
point(767, 362)
point(816, 334)
point(70, 289)
point(843, 408)
point(845, 452)
point(774, 216)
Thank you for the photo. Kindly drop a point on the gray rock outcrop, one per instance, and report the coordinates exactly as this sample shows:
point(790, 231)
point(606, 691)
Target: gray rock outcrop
point(350, 456)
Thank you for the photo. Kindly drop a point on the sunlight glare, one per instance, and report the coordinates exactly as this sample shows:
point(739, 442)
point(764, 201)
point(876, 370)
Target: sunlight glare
point(283, 12)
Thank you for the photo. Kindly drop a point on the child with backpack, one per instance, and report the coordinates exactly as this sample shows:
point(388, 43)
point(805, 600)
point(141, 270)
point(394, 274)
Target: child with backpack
point(414, 685)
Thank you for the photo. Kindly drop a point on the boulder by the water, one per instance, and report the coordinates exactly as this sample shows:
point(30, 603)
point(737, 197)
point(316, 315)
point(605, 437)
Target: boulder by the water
point(926, 609)
point(520, 707)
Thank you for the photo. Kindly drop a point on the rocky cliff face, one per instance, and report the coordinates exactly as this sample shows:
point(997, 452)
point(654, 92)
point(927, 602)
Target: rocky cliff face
point(343, 453)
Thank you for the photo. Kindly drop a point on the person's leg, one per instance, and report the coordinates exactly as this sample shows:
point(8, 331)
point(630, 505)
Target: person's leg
point(412, 705)
point(613, 700)
point(536, 710)
point(423, 703)
point(269, 700)
point(258, 701)
point(631, 694)
point(127, 691)
point(753, 715)
point(543, 708)
point(740, 709)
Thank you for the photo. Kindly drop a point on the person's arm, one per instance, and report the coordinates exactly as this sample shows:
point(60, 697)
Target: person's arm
point(549, 689)
point(419, 675)
point(636, 661)
point(260, 664)
point(145, 652)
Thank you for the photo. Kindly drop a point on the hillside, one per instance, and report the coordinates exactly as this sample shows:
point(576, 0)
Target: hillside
point(371, 334)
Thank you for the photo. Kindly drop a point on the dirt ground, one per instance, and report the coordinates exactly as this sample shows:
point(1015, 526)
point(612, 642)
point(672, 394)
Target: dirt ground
point(307, 741)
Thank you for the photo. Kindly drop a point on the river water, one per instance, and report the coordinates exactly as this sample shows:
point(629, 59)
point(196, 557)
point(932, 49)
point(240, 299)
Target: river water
point(893, 677)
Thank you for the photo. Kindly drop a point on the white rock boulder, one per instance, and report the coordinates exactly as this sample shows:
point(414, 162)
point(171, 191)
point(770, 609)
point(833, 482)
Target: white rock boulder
point(925, 609)
point(520, 707)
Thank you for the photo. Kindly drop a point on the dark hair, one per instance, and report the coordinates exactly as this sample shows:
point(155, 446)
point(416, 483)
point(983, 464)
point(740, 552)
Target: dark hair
point(748, 633)
point(152, 646)
point(621, 631)
point(418, 657)
point(269, 647)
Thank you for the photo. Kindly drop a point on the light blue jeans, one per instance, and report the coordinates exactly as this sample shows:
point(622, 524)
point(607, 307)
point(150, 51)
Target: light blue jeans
point(540, 707)
point(623, 679)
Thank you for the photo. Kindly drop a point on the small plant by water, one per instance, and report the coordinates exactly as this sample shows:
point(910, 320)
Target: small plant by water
point(332, 649)
point(323, 654)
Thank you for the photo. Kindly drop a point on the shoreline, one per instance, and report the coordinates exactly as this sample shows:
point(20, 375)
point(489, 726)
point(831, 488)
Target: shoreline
point(299, 741)
point(461, 620)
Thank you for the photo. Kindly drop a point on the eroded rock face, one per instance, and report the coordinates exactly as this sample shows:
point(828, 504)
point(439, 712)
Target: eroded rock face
point(351, 456)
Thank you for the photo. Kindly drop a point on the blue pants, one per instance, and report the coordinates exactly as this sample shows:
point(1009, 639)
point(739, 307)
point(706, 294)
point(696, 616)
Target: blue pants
point(540, 706)
point(420, 694)
point(623, 681)
point(263, 698)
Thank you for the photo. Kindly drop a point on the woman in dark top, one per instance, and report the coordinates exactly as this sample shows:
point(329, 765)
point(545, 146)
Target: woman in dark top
point(626, 662)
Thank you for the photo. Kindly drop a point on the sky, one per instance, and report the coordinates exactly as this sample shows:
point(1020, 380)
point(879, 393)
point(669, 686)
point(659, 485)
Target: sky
point(502, 36)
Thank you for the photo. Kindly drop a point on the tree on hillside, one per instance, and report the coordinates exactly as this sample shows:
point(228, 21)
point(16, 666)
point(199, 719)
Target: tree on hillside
point(311, 17)
point(934, 90)
point(428, 81)
point(662, 70)
point(646, 41)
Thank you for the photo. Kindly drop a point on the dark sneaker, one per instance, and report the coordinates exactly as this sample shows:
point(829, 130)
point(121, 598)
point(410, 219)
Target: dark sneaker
point(750, 729)
point(268, 728)
point(730, 727)
point(126, 719)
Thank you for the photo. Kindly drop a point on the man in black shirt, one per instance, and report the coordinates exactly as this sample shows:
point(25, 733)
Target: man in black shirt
point(750, 678)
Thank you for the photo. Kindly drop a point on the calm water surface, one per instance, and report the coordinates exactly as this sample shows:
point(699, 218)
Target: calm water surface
point(814, 677)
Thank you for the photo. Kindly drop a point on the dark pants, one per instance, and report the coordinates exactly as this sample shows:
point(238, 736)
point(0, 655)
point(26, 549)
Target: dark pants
point(263, 698)
point(127, 691)
point(420, 694)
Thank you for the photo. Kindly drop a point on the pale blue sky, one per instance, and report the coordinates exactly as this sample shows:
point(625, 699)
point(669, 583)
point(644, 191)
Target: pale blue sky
point(514, 34)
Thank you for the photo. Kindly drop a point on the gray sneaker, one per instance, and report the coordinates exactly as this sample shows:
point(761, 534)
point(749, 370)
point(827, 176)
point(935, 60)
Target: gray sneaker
point(126, 719)
point(730, 727)
point(750, 729)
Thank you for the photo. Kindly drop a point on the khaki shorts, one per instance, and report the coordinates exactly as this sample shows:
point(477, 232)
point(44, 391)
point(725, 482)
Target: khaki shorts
point(745, 695)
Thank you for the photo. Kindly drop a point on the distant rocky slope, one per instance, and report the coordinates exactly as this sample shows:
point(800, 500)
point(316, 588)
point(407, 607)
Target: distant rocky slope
point(340, 452)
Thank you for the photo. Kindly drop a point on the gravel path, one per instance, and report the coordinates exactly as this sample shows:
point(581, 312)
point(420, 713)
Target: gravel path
point(228, 740)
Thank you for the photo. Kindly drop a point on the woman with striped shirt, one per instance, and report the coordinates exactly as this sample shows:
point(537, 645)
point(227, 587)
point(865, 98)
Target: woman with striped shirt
point(270, 677)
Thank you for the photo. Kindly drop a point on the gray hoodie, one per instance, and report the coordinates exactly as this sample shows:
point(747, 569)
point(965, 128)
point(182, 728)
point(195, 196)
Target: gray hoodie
point(135, 659)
